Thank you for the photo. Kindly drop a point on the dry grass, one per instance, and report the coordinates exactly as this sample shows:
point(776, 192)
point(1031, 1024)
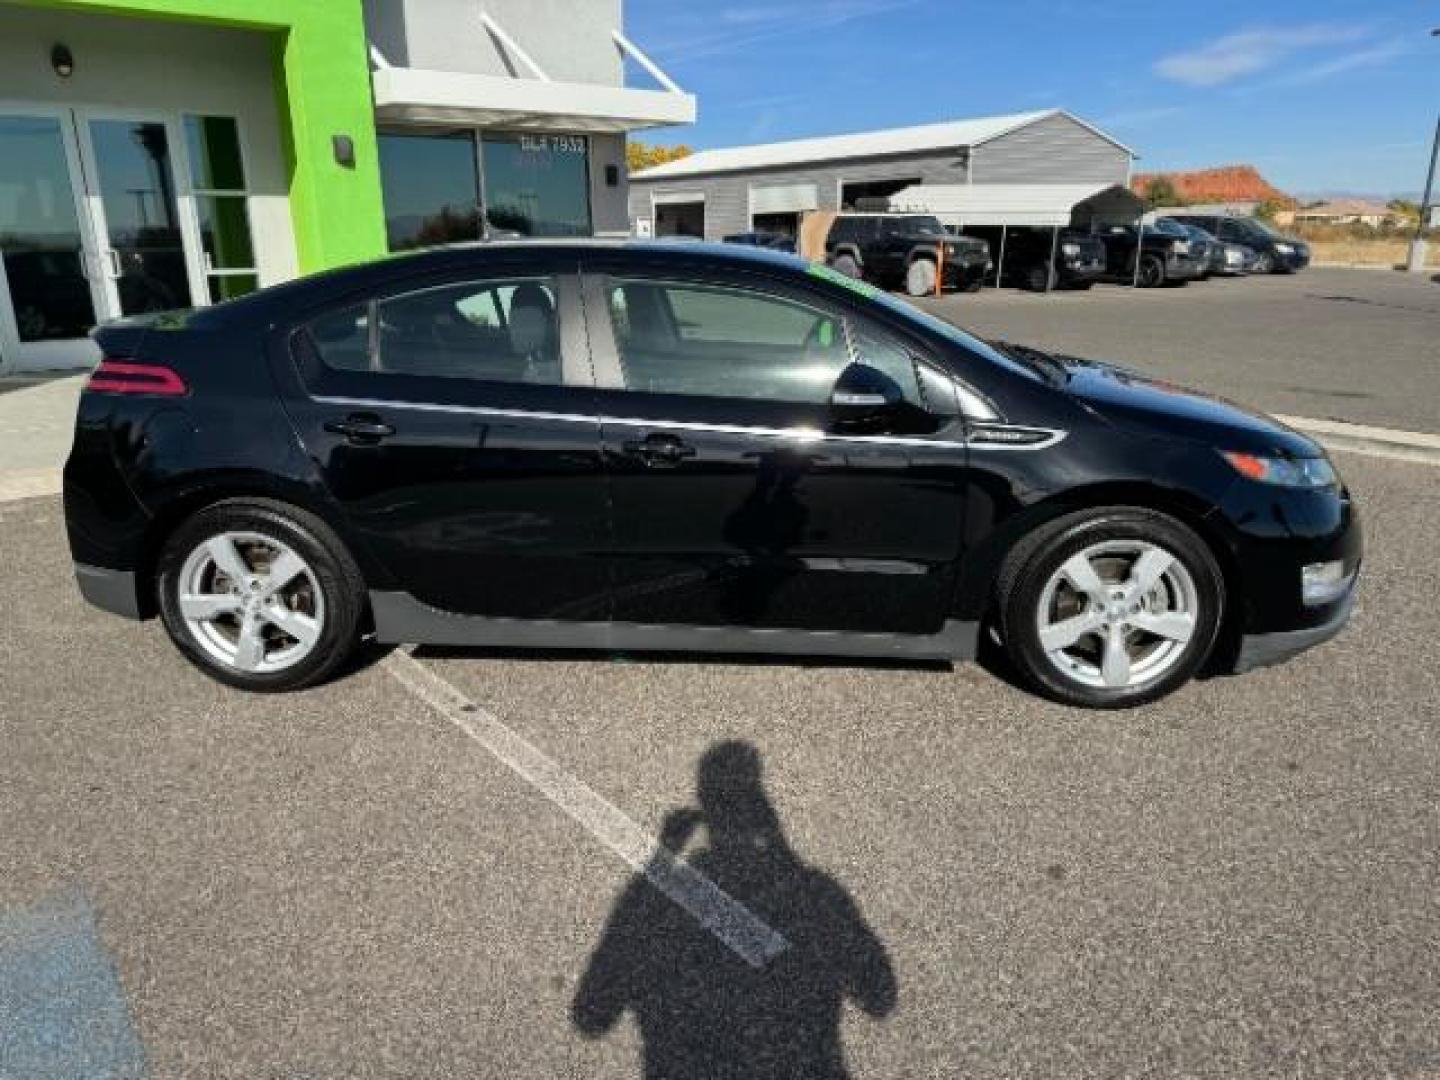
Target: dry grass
point(1378, 252)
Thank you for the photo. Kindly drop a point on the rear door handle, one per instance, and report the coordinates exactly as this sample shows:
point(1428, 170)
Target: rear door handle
point(659, 450)
point(363, 429)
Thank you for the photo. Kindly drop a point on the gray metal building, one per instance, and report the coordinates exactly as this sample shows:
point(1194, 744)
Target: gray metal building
point(715, 193)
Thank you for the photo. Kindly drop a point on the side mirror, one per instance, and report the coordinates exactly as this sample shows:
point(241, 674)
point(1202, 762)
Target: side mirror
point(865, 397)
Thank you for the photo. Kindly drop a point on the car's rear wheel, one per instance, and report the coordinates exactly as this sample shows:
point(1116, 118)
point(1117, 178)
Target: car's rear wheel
point(1035, 277)
point(847, 265)
point(1264, 264)
point(1110, 608)
point(260, 596)
point(920, 278)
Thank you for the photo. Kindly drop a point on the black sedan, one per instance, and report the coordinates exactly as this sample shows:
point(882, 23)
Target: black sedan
point(702, 447)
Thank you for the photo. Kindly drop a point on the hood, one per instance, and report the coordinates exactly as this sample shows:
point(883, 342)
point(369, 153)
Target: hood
point(1152, 407)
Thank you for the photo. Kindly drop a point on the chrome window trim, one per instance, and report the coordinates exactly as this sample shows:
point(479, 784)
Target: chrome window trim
point(799, 434)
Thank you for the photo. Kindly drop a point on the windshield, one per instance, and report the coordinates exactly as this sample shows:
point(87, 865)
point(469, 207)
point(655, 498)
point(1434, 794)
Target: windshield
point(1166, 227)
point(1264, 228)
point(918, 226)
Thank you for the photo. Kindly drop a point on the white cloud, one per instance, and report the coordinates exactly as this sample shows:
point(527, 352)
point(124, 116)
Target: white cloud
point(1248, 51)
point(1371, 56)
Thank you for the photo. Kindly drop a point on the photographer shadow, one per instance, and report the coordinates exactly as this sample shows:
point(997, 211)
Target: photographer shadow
point(704, 1012)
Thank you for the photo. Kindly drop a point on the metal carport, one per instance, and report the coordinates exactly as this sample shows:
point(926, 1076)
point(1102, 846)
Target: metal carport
point(1052, 206)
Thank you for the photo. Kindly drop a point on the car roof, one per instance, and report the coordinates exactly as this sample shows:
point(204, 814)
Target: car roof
point(279, 300)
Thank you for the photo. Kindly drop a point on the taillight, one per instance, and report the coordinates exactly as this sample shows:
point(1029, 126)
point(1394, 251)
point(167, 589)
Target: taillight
point(119, 377)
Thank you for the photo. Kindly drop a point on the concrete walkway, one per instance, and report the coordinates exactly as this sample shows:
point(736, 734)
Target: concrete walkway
point(36, 423)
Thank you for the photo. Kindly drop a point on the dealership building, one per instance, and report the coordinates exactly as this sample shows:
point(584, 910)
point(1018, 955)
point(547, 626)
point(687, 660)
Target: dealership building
point(168, 153)
point(716, 193)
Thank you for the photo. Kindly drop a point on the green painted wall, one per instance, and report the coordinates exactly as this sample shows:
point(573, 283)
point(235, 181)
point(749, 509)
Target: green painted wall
point(323, 85)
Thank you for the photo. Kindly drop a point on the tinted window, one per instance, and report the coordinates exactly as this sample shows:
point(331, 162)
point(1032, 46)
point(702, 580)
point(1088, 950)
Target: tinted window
point(881, 351)
point(537, 184)
point(713, 341)
point(430, 184)
point(492, 331)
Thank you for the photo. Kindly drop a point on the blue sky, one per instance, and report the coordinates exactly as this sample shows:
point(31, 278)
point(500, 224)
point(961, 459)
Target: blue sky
point(1319, 95)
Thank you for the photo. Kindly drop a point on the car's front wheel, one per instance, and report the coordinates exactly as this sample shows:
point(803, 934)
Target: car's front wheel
point(920, 278)
point(260, 596)
point(1152, 272)
point(1110, 608)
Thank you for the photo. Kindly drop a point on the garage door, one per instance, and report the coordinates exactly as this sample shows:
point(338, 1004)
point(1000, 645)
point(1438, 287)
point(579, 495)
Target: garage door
point(782, 198)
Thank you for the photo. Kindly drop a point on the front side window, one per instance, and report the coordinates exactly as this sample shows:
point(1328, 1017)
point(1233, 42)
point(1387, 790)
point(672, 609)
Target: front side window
point(505, 332)
point(717, 341)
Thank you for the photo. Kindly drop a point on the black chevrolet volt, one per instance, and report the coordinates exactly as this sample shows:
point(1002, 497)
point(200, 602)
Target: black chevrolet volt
point(632, 446)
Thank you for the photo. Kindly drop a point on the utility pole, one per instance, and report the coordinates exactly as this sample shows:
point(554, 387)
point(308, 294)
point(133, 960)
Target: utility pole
point(1418, 245)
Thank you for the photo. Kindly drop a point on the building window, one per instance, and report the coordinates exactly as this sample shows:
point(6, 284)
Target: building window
point(432, 188)
point(537, 185)
point(222, 206)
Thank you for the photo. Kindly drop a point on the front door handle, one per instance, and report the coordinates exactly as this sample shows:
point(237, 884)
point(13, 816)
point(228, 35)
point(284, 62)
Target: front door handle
point(658, 451)
point(363, 429)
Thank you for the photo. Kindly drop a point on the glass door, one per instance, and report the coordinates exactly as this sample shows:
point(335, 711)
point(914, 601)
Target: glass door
point(147, 247)
point(49, 279)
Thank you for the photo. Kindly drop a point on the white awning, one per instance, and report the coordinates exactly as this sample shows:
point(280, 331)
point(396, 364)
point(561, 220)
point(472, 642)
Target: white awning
point(1044, 205)
point(416, 95)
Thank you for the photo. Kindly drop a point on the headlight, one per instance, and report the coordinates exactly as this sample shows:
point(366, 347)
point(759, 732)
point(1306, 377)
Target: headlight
point(1287, 472)
point(1324, 582)
point(1070, 249)
point(1284, 249)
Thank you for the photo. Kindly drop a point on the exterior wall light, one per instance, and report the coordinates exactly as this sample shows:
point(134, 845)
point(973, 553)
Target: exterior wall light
point(62, 60)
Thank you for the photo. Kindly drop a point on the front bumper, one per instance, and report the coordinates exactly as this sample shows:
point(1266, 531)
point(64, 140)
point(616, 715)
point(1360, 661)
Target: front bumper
point(966, 270)
point(1264, 650)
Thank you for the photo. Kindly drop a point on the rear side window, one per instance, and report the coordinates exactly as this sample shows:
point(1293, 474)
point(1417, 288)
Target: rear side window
point(716, 341)
point(495, 331)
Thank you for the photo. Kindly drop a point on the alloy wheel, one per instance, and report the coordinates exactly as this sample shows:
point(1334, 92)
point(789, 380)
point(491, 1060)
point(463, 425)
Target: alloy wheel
point(251, 602)
point(1118, 614)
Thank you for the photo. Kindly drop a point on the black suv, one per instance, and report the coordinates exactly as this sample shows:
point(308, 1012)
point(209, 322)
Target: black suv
point(1275, 253)
point(681, 447)
point(1079, 258)
point(900, 250)
point(1166, 257)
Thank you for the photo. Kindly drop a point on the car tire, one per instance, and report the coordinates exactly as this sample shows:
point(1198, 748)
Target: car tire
point(846, 264)
point(1035, 278)
point(972, 286)
point(920, 278)
point(1264, 264)
point(235, 623)
point(1082, 286)
point(1152, 272)
point(1038, 599)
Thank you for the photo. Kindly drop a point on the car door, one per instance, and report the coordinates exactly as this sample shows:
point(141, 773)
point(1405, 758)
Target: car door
point(453, 422)
point(736, 502)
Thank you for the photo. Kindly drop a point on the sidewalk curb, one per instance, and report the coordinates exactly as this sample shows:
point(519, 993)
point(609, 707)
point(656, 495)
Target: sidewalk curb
point(1415, 446)
point(17, 484)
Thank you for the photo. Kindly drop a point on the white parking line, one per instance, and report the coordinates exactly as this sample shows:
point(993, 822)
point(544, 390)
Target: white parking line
point(1392, 443)
point(720, 913)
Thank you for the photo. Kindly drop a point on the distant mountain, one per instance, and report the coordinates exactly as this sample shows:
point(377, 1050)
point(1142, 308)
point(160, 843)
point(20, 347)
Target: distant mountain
point(1225, 183)
point(1338, 194)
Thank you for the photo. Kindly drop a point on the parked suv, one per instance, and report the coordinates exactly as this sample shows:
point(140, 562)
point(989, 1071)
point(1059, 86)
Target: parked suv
point(1079, 258)
point(650, 446)
point(1166, 256)
point(893, 250)
point(1275, 253)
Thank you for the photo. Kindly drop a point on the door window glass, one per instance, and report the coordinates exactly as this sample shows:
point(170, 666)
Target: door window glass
point(504, 332)
point(537, 185)
point(40, 238)
point(222, 206)
point(713, 341)
point(136, 183)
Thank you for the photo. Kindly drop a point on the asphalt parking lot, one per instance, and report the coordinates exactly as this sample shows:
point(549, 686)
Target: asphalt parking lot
point(1239, 881)
point(1361, 346)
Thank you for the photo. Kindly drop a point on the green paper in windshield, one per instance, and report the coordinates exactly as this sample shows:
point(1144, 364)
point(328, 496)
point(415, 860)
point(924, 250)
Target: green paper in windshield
point(826, 273)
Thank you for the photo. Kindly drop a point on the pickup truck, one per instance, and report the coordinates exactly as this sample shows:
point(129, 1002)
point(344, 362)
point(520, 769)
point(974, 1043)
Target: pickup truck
point(905, 250)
